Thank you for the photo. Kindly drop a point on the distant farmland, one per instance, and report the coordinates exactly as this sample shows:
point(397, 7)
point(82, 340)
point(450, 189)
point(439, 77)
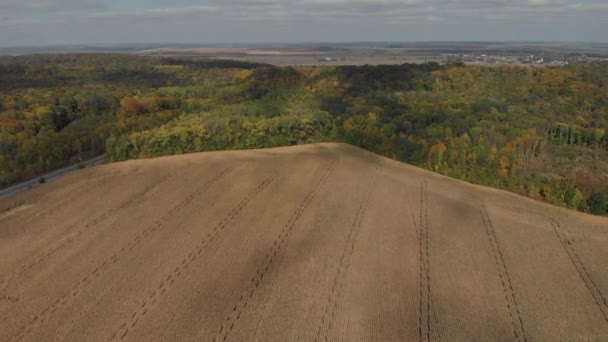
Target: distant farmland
point(321, 242)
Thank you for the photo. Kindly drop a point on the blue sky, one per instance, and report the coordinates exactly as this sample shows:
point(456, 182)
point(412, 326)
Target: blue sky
point(45, 22)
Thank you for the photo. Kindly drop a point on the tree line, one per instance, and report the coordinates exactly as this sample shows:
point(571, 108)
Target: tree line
point(540, 132)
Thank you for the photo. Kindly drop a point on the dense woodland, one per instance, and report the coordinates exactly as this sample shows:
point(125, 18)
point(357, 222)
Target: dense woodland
point(540, 132)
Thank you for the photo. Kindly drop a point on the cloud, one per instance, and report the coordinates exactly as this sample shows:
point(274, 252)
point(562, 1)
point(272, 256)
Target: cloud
point(41, 6)
point(358, 3)
point(309, 20)
point(158, 12)
point(251, 3)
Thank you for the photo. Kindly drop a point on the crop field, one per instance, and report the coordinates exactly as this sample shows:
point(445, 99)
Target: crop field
point(322, 242)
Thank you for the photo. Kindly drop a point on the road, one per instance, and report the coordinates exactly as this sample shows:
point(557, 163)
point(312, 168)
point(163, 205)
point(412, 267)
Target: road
point(48, 176)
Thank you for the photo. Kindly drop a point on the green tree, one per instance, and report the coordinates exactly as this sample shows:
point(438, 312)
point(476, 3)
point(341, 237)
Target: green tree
point(598, 203)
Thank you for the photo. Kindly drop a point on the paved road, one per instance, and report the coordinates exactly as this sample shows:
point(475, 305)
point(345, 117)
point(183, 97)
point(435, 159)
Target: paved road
point(34, 182)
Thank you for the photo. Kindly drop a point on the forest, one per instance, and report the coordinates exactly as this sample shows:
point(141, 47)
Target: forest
point(536, 131)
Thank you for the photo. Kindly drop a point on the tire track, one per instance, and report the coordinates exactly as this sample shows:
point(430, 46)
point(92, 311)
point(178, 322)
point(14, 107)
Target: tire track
point(424, 272)
point(182, 267)
point(519, 331)
point(80, 189)
point(241, 304)
point(81, 285)
point(423, 276)
point(598, 297)
point(8, 298)
point(335, 294)
point(10, 207)
point(83, 229)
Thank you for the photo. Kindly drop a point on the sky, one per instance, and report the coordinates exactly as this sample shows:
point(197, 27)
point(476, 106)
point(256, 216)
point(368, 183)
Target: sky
point(54, 22)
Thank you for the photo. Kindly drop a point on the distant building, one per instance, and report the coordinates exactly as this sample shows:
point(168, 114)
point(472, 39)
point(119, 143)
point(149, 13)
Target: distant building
point(559, 63)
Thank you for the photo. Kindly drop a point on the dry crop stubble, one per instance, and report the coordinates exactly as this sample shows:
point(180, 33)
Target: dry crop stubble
point(79, 230)
point(321, 242)
point(39, 317)
point(184, 264)
point(228, 263)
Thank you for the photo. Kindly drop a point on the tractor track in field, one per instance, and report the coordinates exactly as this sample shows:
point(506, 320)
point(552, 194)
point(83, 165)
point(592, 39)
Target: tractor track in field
point(11, 207)
point(598, 297)
point(77, 192)
point(24, 268)
point(180, 271)
point(79, 287)
point(241, 304)
point(424, 276)
point(335, 294)
point(519, 331)
point(331, 305)
point(306, 243)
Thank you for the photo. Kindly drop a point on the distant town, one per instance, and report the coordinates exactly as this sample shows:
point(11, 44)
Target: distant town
point(498, 59)
point(306, 54)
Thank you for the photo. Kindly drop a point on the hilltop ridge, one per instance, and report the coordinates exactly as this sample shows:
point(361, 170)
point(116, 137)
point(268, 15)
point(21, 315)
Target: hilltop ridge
point(310, 242)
